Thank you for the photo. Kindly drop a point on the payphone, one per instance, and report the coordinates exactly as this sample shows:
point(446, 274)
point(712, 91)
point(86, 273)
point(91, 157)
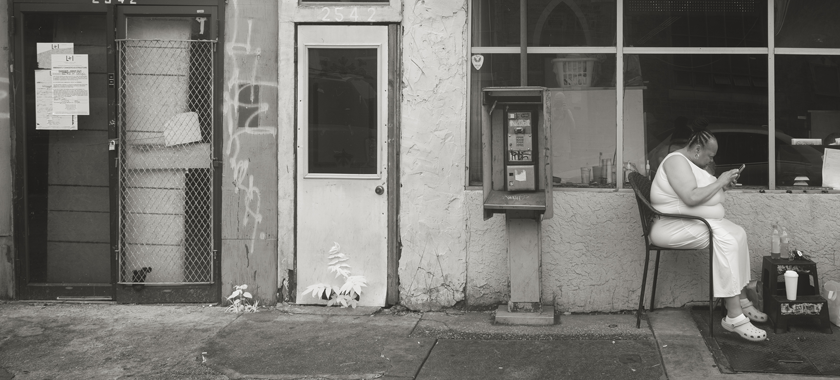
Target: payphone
point(520, 162)
point(517, 182)
point(516, 152)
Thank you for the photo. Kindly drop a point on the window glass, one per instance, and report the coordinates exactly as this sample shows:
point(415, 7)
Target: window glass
point(344, 1)
point(699, 23)
point(811, 23)
point(496, 70)
point(808, 113)
point(495, 23)
point(571, 23)
point(342, 111)
point(734, 110)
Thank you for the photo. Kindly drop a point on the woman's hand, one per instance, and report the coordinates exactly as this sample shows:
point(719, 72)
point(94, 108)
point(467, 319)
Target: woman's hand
point(729, 178)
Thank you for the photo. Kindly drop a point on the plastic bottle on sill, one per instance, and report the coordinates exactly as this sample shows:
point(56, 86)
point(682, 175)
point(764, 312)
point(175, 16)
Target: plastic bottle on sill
point(775, 242)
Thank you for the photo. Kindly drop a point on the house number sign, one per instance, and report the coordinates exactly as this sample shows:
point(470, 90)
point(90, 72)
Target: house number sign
point(347, 14)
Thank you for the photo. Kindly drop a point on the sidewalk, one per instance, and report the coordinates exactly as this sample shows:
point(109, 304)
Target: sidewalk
point(107, 341)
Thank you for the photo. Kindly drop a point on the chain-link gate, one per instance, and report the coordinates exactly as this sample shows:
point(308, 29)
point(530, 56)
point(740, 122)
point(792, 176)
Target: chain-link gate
point(165, 161)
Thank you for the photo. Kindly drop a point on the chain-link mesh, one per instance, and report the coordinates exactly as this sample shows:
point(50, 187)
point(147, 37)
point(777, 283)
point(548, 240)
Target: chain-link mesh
point(166, 161)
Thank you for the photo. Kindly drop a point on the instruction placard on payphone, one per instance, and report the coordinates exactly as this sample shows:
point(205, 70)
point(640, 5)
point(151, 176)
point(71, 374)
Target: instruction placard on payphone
point(519, 161)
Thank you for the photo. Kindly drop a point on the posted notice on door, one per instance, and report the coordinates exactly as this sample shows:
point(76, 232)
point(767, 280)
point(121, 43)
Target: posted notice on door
point(44, 118)
point(70, 84)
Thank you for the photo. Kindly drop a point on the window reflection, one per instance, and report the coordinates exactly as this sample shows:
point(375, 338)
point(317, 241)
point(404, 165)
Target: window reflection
point(811, 23)
point(571, 23)
point(808, 113)
point(735, 111)
point(495, 22)
point(709, 23)
point(497, 70)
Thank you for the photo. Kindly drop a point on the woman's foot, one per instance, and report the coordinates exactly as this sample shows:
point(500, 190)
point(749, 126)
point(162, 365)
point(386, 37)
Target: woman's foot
point(741, 325)
point(751, 312)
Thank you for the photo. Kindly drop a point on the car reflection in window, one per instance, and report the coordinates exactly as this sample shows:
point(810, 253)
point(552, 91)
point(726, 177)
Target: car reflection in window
point(745, 144)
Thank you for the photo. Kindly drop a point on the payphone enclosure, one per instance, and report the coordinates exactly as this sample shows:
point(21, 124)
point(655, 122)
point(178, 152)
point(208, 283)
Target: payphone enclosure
point(516, 152)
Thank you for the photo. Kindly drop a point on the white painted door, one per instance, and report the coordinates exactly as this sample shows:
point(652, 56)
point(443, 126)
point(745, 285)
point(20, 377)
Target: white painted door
point(342, 156)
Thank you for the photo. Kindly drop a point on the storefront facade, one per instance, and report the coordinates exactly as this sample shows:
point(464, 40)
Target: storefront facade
point(356, 123)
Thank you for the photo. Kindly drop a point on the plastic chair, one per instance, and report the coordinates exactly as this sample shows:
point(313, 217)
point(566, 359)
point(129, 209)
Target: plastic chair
point(641, 186)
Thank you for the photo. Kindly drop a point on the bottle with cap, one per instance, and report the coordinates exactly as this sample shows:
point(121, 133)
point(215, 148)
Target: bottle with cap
point(784, 242)
point(775, 241)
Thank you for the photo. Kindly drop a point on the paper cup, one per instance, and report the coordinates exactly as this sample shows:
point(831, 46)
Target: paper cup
point(791, 280)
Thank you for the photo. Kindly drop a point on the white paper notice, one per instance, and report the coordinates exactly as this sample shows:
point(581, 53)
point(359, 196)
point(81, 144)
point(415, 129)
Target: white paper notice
point(71, 91)
point(831, 169)
point(44, 119)
point(45, 51)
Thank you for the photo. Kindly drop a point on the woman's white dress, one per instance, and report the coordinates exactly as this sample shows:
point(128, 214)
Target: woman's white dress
point(731, 265)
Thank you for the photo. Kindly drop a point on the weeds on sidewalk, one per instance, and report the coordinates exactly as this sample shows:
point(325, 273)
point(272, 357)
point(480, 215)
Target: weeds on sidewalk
point(349, 293)
point(242, 301)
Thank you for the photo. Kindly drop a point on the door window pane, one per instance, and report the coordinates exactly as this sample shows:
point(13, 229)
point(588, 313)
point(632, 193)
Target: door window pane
point(703, 23)
point(343, 104)
point(571, 23)
point(807, 112)
point(811, 23)
point(67, 175)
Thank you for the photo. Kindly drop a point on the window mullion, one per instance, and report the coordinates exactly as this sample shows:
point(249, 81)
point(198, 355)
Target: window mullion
point(619, 94)
point(771, 95)
point(523, 42)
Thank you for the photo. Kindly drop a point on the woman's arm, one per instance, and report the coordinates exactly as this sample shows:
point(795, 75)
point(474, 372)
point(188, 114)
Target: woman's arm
point(681, 178)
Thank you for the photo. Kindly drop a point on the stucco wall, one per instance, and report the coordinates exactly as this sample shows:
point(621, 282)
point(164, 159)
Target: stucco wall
point(432, 269)
point(249, 178)
point(593, 252)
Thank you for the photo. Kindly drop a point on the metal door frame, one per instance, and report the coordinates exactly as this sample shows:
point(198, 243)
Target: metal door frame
point(187, 292)
point(110, 8)
point(25, 289)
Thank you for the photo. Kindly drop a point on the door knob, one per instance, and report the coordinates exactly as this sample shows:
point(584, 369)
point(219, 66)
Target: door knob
point(379, 190)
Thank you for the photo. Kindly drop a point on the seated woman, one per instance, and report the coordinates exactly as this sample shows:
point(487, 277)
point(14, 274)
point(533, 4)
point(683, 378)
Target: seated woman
point(682, 187)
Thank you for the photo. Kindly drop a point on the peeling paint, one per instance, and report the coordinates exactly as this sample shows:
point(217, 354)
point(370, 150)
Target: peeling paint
point(433, 265)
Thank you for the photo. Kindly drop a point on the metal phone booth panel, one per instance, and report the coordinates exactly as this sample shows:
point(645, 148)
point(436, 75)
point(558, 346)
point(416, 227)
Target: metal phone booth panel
point(517, 182)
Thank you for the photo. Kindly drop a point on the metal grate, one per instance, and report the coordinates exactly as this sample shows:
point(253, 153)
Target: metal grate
point(165, 161)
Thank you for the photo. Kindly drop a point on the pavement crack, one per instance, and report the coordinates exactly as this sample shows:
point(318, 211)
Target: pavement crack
point(426, 358)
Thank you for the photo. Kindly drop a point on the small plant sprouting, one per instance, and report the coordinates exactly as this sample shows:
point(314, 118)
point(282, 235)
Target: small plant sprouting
point(346, 295)
point(242, 301)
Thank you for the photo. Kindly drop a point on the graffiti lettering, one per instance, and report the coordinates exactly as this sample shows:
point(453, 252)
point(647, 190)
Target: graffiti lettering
point(242, 109)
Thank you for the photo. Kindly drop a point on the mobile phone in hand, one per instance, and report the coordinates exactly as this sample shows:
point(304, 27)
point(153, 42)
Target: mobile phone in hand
point(741, 169)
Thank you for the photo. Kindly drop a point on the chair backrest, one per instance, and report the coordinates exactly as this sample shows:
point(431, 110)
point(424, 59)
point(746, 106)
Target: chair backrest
point(641, 186)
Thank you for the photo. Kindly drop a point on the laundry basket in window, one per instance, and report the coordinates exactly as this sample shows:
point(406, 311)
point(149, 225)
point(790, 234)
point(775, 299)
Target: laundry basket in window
point(574, 72)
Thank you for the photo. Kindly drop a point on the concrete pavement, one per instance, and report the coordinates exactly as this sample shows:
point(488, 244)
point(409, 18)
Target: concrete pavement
point(47, 340)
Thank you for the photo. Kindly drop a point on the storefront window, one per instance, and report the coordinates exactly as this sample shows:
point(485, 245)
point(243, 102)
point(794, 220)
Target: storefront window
point(570, 23)
point(665, 23)
point(700, 63)
point(807, 117)
point(807, 24)
point(560, 35)
point(726, 94)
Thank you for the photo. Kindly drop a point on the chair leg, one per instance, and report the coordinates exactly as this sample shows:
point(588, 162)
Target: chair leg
point(642, 292)
point(655, 275)
point(712, 294)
